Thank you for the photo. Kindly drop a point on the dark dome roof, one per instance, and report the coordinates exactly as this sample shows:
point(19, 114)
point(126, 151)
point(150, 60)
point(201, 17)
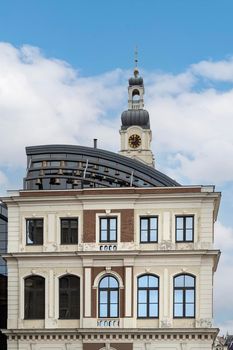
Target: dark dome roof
point(136, 81)
point(138, 117)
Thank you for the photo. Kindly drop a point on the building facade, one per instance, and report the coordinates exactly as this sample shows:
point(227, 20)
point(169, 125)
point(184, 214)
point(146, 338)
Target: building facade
point(106, 252)
point(3, 274)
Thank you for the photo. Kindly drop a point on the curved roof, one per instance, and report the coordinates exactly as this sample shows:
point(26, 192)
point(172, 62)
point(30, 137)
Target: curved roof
point(67, 166)
point(135, 117)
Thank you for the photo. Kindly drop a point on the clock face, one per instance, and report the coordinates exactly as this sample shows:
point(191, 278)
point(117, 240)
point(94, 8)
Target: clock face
point(135, 141)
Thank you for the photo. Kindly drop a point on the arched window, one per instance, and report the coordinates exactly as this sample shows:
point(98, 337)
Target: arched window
point(148, 296)
point(69, 297)
point(109, 297)
point(34, 297)
point(184, 296)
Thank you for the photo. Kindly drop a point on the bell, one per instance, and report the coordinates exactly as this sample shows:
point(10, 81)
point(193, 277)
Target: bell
point(96, 167)
point(57, 181)
point(38, 182)
point(78, 173)
point(75, 182)
point(41, 173)
point(117, 173)
point(44, 164)
point(62, 163)
point(60, 172)
point(106, 170)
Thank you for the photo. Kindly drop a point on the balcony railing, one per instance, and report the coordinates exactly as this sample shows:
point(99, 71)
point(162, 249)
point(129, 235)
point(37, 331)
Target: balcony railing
point(109, 323)
point(108, 247)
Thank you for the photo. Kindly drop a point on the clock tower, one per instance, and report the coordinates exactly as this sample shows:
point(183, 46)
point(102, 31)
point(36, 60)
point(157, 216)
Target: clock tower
point(135, 129)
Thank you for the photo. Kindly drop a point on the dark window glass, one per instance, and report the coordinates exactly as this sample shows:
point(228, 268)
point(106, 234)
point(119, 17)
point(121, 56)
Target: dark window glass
point(184, 228)
point(148, 296)
point(149, 229)
point(108, 297)
point(34, 231)
point(34, 297)
point(69, 297)
point(108, 229)
point(69, 231)
point(184, 296)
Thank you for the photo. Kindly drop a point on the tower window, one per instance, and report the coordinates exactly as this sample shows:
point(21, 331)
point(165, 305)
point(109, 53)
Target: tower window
point(149, 229)
point(184, 228)
point(69, 231)
point(108, 229)
point(34, 231)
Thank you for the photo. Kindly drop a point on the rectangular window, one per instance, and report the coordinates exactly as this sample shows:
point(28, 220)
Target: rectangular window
point(184, 228)
point(34, 231)
point(69, 231)
point(108, 229)
point(149, 229)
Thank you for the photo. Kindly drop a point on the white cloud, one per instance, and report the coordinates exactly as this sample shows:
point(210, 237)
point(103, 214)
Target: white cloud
point(220, 70)
point(223, 278)
point(45, 101)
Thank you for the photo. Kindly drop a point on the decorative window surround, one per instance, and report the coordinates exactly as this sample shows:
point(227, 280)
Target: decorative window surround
point(108, 215)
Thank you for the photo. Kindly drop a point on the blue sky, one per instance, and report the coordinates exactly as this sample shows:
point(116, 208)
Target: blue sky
point(97, 36)
point(63, 79)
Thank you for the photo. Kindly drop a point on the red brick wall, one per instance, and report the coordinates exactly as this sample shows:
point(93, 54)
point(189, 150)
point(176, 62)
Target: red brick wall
point(127, 224)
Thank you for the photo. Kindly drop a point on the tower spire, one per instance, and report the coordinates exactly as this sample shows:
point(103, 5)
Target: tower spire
point(136, 71)
point(135, 128)
point(136, 56)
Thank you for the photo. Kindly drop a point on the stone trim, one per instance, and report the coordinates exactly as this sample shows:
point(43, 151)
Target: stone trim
point(130, 334)
point(153, 190)
point(96, 337)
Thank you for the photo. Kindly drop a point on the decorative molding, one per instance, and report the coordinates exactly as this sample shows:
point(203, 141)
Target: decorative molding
point(183, 346)
point(204, 323)
point(110, 333)
point(166, 323)
point(113, 273)
point(166, 245)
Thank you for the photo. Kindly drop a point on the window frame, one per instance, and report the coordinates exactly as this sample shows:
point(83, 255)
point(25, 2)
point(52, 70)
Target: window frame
point(27, 234)
point(108, 290)
point(70, 290)
point(184, 289)
point(184, 217)
point(108, 218)
point(148, 289)
point(69, 228)
point(149, 229)
point(26, 317)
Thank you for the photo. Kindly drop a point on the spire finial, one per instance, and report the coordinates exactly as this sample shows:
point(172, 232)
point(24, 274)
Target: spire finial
point(136, 72)
point(136, 56)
